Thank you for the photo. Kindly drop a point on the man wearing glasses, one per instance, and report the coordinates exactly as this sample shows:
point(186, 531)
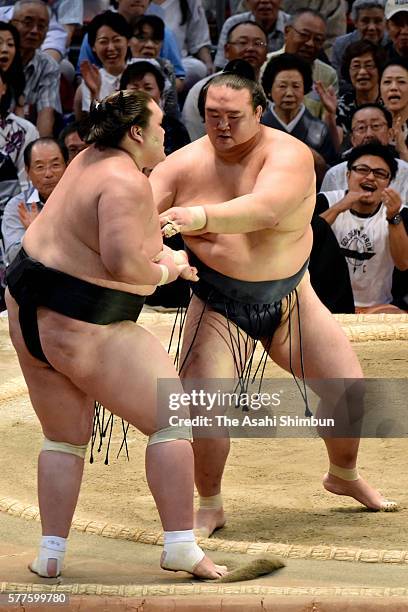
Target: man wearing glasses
point(370, 226)
point(305, 36)
point(264, 12)
point(369, 122)
point(42, 72)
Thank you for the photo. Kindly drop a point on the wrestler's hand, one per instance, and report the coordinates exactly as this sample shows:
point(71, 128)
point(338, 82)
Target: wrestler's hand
point(180, 258)
point(184, 220)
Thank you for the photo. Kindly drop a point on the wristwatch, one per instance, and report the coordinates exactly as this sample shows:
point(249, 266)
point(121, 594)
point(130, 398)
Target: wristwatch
point(395, 220)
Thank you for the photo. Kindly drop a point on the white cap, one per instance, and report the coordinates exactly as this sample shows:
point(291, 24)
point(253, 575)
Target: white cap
point(395, 6)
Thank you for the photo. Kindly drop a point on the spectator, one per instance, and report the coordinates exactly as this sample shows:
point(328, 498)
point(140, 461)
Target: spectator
point(10, 63)
point(267, 14)
point(45, 164)
point(362, 66)
point(286, 79)
point(369, 20)
point(108, 35)
point(15, 134)
point(247, 41)
point(42, 73)
point(305, 35)
point(369, 123)
point(187, 20)
point(394, 94)
point(145, 76)
point(131, 11)
point(333, 12)
point(71, 142)
point(370, 226)
point(396, 15)
point(146, 42)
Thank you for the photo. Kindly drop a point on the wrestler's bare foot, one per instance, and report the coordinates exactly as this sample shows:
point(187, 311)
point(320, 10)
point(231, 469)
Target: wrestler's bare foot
point(205, 569)
point(52, 568)
point(361, 491)
point(207, 520)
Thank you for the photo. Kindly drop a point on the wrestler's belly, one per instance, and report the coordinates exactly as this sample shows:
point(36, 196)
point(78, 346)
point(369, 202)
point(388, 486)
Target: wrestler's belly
point(242, 257)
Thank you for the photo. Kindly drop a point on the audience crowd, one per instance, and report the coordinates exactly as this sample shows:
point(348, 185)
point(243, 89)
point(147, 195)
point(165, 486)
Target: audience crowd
point(335, 74)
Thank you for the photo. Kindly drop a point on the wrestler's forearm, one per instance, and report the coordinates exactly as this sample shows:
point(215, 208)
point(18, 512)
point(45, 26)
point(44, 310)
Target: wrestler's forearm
point(240, 216)
point(138, 270)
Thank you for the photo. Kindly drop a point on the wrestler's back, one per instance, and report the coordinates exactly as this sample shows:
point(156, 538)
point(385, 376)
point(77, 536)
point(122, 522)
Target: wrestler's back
point(65, 236)
point(206, 179)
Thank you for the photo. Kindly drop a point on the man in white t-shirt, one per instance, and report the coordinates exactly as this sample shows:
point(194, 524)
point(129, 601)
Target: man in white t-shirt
point(370, 225)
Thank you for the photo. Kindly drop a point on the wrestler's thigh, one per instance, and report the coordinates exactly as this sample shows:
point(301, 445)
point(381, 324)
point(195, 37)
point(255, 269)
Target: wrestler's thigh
point(64, 411)
point(327, 353)
point(124, 363)
point(212, 347)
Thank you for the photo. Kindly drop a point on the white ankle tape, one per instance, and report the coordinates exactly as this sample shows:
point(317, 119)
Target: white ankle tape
point(51, 547)
point(343, 473)
point(181, 551)
point(65, 447)
point(211, 503)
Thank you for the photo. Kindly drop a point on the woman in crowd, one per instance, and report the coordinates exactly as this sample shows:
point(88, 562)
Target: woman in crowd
point(286, 80)
point(10, 63)
point(108, 34)
point(362, 65)
point(146, 43)
point(394, 94)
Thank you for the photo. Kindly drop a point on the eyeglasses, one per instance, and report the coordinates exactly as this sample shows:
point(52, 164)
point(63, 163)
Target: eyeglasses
point(369, 66)
point(316, 38)
point(378, 173)
point(144, 38)
point(246, 43)
point(375, 127)
point(28, 23)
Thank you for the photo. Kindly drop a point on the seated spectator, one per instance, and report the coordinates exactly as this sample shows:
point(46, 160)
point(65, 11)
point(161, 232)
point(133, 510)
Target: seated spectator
point(362, 66)
point(267, 15)
point(45, 165)
point(369, 123)
point(146, 42)
point(131, 11)
point(394, 94)
point(15, 134)
point(71, 142)
point(370, 226)
point(187, 21)
point(246, 41)
point(66, 16)
point(305, 35)
point(10, 63)
point(286, 79)
point(42, 72)
point(333, 12)
point(369, 20)
point(145, 76)
point(108, 35)
point(396, 15)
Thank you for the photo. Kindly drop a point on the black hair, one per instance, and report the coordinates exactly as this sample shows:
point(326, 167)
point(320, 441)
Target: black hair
point(14, 76)
point(109, 121)
point(137, 70)
point(247, 22)
point(303, 11)
point(237, 82)
point(399, 61)
point(71, 128)
point(44, 140)
point(155, 22)
point(380, 107)
point(358, 48)
point(286, 61)
point(115, 21)
point(377, 149)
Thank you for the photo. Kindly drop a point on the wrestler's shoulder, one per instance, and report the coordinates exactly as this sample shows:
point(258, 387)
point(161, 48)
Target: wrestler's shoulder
point(191, 151)
point(281, 142)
